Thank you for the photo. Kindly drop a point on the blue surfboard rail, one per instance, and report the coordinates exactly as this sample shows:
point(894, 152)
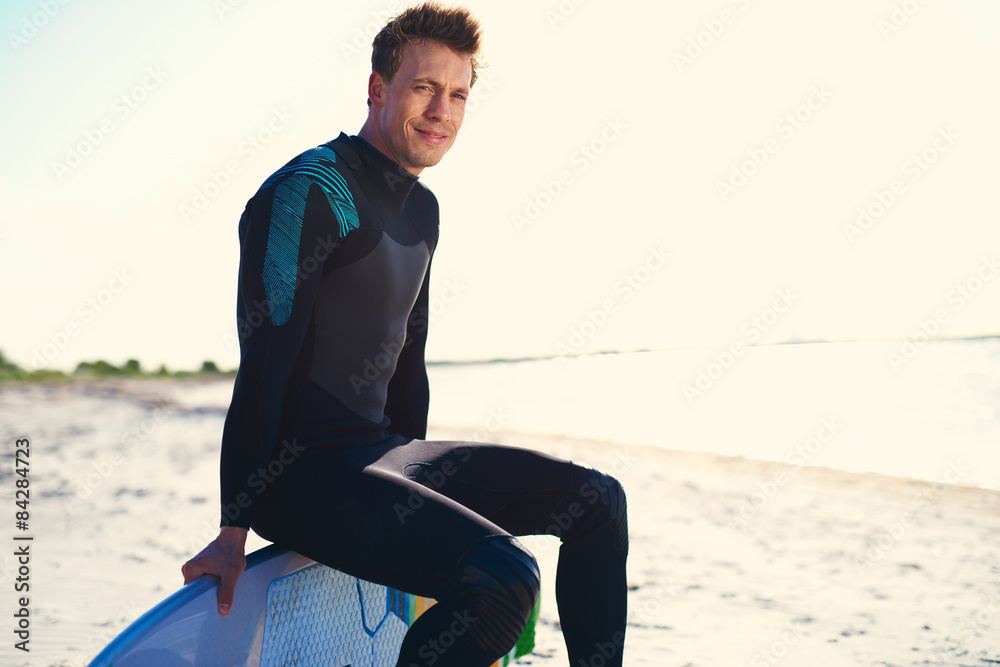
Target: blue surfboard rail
point(142, 625)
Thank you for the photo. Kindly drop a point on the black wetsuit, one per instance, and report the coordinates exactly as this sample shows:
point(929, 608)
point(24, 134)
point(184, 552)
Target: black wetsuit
point(323, 448)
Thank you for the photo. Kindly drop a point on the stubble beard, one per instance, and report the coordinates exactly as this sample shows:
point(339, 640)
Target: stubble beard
point(424, 157)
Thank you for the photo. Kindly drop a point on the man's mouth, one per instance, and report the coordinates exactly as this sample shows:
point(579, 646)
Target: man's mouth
point(432, 137)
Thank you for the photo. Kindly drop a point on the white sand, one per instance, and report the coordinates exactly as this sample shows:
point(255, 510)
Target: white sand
point(125, 485)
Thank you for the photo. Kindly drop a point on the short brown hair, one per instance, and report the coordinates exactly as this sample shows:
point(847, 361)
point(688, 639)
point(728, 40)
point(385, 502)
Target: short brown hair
point(455, 27)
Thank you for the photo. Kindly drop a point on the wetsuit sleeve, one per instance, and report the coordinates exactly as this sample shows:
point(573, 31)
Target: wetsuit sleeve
point(286, 233)
point(408, 397)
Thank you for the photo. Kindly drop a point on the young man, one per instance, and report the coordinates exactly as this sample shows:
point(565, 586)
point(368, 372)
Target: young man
point(323, 448)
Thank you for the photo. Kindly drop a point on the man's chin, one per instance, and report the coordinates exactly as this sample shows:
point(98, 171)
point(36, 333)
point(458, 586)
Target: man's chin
point(426, 159)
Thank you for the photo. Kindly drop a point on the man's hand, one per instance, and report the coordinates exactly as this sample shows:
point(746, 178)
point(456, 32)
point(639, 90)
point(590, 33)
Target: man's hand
point(224, 558)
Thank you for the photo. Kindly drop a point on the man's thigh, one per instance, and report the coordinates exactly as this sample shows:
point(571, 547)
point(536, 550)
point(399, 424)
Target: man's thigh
point(517, 489)
point(404, 514)
point(372, 522)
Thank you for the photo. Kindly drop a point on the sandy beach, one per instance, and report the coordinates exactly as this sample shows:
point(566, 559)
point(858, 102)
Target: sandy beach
point(732, 561)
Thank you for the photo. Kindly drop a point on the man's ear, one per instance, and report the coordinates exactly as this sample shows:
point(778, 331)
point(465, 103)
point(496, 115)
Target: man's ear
point(376, 89)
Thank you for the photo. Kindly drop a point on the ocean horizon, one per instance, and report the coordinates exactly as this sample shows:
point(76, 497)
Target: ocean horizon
point(859, 406)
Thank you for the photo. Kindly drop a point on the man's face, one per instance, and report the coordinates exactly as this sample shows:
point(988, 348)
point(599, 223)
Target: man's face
point(421, 110)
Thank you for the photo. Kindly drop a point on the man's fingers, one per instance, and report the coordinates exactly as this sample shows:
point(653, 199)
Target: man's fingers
point(191, 571)
point(227, 589)
point(226, 563)
point(198, 566)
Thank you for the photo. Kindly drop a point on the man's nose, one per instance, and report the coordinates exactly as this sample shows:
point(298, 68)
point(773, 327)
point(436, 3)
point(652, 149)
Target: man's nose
point(439, 109)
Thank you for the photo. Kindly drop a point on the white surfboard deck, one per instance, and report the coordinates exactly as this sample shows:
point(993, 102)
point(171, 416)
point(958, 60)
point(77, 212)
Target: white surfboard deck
point(288, 611)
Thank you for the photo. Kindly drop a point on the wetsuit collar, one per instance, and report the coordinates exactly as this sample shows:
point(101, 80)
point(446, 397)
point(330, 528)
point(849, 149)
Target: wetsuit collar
point(392, 182)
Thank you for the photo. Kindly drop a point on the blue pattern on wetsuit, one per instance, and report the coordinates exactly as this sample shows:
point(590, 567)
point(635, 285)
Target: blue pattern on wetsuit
point(288, 208)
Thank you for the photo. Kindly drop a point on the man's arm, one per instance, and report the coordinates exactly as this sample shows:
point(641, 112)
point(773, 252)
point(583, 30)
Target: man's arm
point(286, 233)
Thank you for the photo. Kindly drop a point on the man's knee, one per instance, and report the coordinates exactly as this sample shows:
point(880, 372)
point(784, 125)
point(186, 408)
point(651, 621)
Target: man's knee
point(500, 579)
point(599, 502)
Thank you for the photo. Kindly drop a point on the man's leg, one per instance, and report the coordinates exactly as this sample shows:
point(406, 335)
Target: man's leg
point(526, 492)
point(356, 511)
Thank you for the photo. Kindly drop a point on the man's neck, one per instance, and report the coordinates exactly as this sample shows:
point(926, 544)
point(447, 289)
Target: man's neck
point(371, 133)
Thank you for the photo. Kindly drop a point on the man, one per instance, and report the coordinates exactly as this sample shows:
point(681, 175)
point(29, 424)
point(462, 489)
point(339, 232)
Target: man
point(323, 448)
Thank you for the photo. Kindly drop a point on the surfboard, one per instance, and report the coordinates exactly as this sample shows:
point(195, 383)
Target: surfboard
point(289, 611)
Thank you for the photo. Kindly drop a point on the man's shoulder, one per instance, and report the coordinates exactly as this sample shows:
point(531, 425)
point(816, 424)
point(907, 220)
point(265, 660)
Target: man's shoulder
point(324, 173)
point(330, 165)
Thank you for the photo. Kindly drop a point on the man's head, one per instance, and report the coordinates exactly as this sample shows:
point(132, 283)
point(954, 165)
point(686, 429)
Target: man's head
point(424, 63)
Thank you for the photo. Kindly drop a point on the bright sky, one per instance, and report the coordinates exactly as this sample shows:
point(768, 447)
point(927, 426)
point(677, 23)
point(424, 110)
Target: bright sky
point(631, 175)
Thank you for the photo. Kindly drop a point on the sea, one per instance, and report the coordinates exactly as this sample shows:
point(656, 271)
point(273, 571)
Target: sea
point(928, 411)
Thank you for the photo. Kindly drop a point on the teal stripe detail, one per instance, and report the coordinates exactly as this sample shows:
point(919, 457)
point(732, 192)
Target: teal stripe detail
point(280, 269)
